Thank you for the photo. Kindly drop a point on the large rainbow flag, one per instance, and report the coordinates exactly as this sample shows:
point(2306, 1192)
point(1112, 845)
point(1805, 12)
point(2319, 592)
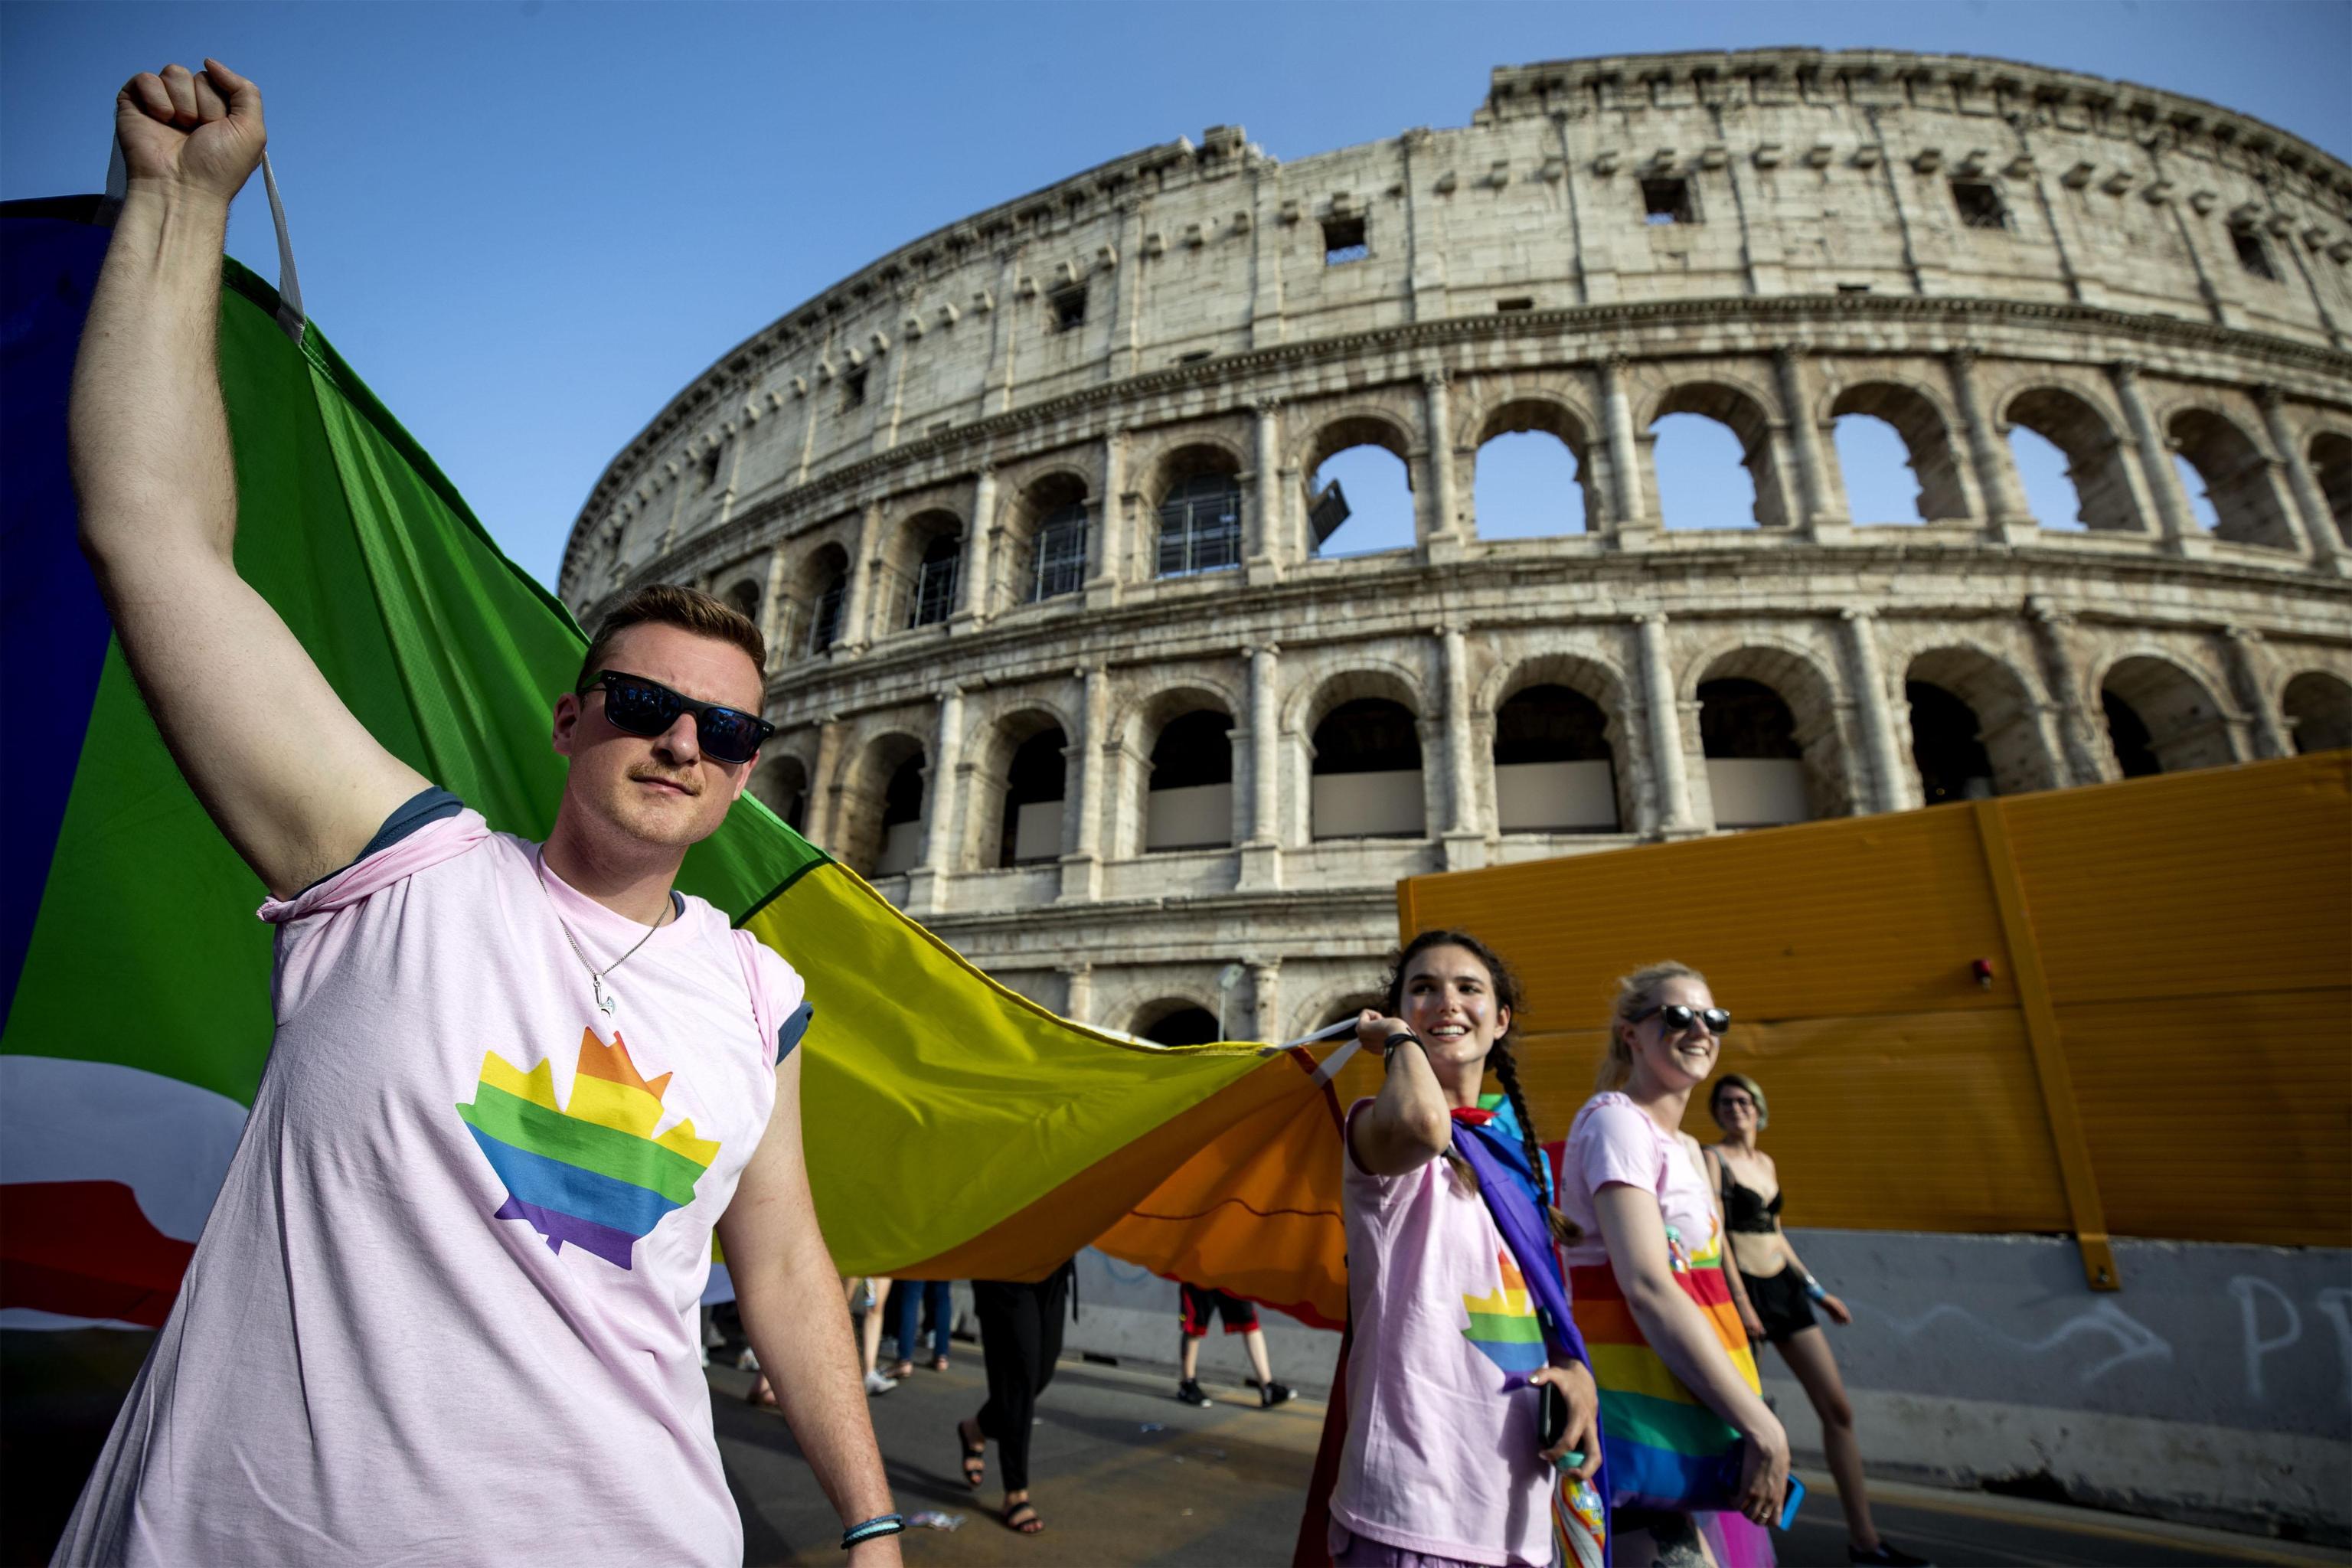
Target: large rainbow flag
point(954, 1130)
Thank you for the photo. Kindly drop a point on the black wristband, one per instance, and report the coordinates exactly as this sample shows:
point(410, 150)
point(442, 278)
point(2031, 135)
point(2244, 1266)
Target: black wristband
point(1403, 1037)
point(873, 1530)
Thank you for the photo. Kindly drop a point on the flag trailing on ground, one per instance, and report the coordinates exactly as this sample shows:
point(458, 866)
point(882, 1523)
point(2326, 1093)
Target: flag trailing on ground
point(953, 1129)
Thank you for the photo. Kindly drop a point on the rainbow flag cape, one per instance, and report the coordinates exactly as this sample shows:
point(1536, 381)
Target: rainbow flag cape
point(954, 1130)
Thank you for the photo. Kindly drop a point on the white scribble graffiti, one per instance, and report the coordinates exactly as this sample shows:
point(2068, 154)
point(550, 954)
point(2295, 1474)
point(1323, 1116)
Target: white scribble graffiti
point(2336, 1306)
point(2134, 1340)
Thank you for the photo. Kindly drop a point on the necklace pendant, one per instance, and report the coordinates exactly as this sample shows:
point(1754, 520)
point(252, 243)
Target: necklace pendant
point(605, 999)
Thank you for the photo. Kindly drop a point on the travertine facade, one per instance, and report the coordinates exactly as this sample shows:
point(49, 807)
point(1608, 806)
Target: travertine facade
point(1773, 239)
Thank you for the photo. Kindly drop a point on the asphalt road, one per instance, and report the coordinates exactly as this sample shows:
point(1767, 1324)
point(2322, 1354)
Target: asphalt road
point(1122, 1474)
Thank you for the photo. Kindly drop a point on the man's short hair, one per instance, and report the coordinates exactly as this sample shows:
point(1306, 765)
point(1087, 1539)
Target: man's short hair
point(673, 605)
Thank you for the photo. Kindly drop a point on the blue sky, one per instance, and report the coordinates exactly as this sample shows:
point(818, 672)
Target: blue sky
point(528, 223)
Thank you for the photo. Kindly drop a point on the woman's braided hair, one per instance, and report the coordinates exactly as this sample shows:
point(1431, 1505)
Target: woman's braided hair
point(1504, 986)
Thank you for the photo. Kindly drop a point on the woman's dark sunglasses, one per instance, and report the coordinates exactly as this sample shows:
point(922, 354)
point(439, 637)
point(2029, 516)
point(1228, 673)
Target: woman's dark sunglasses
point(1676, 1017)
point(642, 707)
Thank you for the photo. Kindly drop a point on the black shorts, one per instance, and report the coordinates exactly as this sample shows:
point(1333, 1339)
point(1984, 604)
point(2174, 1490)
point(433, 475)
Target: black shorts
point(1781, 1303)
point(1200, 1304)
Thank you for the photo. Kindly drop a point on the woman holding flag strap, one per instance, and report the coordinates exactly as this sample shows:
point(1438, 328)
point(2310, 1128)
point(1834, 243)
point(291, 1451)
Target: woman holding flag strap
point(1458, 1314)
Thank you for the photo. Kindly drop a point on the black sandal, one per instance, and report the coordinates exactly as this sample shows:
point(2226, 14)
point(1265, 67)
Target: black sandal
point(976, 1459)
point(1029, 1526)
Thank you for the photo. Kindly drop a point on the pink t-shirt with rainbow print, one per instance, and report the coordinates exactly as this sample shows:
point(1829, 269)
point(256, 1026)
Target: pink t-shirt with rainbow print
point(1442, 1455)
point(445, 1307)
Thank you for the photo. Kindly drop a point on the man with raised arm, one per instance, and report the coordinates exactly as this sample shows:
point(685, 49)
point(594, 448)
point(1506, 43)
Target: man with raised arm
point(444, 1309)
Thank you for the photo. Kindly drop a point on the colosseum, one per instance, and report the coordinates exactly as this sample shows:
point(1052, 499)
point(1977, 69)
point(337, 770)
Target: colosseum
point(1034, 509)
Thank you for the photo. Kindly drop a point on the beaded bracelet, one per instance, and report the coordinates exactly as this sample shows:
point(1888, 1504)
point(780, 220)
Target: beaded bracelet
point(874, 1529)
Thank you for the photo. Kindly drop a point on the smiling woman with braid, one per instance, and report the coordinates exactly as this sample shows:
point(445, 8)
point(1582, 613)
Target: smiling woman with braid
point(1443, 1462)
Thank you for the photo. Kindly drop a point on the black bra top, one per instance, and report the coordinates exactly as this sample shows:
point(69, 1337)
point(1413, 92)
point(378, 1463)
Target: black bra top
point(1744, 1209)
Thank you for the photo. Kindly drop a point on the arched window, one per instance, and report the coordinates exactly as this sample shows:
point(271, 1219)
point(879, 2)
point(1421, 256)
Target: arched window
point(1180, 1024)
point(824, 587)
point(2227, 481)
point(1884, 428)
point(1755, 768)
point(2162, 720)
point(783, 786)
point(1701, 434)
point(1530, 485)
point(743, 598)
point(2318, 710)
point(932, 598)
point(1032, 801)
point(1201, 525)
point(1360, 502)
point(1367, 772)
point(2331, 464)
point(1057, 558)
point(1189, 803)
point(1944, 743)
point(902, 818)
point(2091, 489)
point(1554, 770)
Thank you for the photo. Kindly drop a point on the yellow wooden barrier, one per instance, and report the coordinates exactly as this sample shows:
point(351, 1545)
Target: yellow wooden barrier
point(2165, 1048)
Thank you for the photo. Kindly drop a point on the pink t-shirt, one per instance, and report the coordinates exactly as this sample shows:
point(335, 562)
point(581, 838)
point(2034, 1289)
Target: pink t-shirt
point(444, 1309)
point(1614, 1139)
point(1443, 1449)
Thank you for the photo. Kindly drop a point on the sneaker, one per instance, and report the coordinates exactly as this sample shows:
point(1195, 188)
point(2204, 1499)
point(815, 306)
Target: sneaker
point(1886, 1554)
point(877, 1383)
point(1189, 1391)
point(1275, 1393)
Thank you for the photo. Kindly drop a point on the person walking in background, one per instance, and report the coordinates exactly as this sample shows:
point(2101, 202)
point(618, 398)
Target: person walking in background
point(1783, 1293)
point(1195, 1305)
point(1443, 1460)
point(908, 1297)
point(1019, 1341)
point(873, 1291)
point(1649, 1263)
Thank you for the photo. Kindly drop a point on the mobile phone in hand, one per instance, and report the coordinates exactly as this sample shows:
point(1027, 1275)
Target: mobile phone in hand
point(1795, 1500)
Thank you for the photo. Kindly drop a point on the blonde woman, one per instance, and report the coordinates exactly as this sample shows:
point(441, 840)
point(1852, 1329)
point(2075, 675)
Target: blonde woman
point(1646, 1281)
point(1784, 1293)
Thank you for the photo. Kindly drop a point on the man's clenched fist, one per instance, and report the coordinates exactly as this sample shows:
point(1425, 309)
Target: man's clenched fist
point(198, 131)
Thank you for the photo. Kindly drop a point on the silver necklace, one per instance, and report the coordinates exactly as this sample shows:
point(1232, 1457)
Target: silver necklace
point(606, 1000)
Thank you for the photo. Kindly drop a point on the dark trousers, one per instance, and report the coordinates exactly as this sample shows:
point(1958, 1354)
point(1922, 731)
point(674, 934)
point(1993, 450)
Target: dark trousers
point(1020, 1339)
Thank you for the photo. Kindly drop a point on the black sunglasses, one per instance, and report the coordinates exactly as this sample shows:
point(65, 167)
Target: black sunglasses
point(642, 707)
point(1675, 1018)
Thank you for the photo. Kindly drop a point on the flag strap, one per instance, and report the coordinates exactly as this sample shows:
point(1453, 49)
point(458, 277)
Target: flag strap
point(290, 318)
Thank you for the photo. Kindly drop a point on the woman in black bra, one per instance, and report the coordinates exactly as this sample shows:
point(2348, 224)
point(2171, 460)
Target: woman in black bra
point(1781, 1295)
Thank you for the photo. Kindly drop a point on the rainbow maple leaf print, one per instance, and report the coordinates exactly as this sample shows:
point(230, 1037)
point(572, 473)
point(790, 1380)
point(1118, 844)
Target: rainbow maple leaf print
point(592, 1172)
point(1503, 1322)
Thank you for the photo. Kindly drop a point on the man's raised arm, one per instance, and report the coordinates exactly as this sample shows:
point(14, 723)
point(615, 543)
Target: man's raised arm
point(297, 784)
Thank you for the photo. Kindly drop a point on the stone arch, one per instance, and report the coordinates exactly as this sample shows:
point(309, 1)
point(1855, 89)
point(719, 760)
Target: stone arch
point(1312, 700)
point(2004, 723)
point(1535, 414)
point(1011, 770)
point(1333, 1003)
point(922, 556)
point(872, 834)
point(1196, 500)
point(2237, 479)
point(2162, 717)
point(1174, 1020)
point(1178, 803)
point(1747, 415)
point(2095, 462)
point(1351, 793)
point(1339, 432)
point(1184, 455)
point(821, 600)
point(1926, 427)
point(1598, 683)
point(743, 596)
point(1823, 782)
point(2330, 453)
point(781, 784)
point(2317, 705)
point(1056, 512)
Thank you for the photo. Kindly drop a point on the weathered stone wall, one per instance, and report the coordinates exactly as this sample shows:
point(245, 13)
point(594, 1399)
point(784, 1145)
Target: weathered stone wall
point(1821, 265)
